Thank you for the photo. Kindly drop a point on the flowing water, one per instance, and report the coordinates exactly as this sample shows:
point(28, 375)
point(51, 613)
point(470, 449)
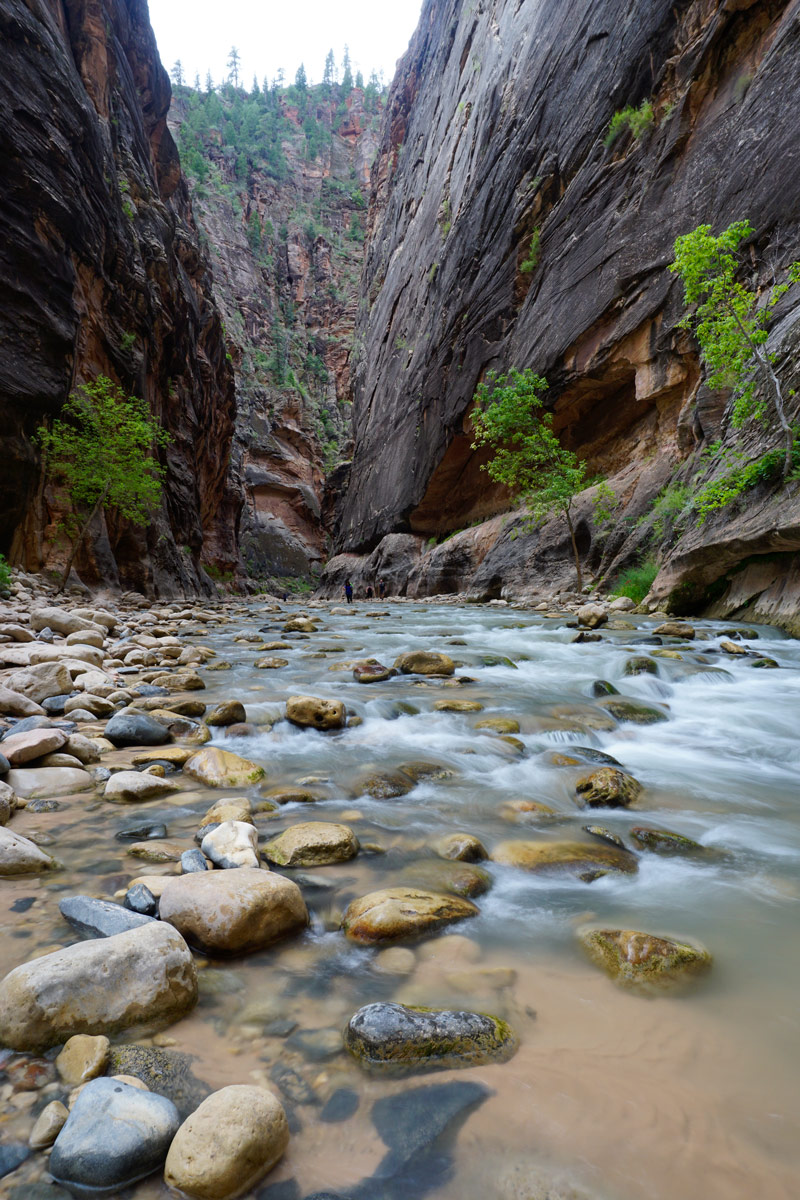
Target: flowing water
point(682, 1096)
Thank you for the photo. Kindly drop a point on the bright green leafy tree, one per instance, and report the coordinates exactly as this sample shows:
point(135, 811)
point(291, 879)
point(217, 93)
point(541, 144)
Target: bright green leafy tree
point(731, 325)
point(101, 451)
point(510, 418)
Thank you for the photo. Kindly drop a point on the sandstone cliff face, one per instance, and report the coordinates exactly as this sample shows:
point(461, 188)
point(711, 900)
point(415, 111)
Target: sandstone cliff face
point(286, 240)
point(494, 139)
point(101, 273)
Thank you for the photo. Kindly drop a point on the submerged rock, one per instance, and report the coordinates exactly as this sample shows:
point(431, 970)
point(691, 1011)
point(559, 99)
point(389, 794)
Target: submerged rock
point(168, 1072)
point(144, 975)
point(114, 1135)
point(394, 1037)
point(605, 835)
point(640, 664)
point(224, 1148)
point(369, 670)
point(644, 960)
point(386, 785)
point(608, 788)
point(461, 847)
point(229, 712)
point(584, 860)
point(499, 724)
point(402, 912)
point(220, 768)
point(664, 841)
point(20, 856)
point(455, 878)
point(625, 709)
point(312, 844)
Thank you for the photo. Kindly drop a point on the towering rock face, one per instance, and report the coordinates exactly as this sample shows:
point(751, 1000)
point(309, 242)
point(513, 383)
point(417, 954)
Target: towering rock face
point(505, 231)
point(101, 273)
point(279, 180)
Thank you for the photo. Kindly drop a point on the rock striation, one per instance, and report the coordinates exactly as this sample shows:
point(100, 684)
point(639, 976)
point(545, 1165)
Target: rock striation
point(102, 273)
point(504, 231)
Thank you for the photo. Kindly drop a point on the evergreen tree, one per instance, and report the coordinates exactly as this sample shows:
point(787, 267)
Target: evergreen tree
point(301, 79)
point(347, 73)
point(234, 63)
point(329, 74)
point(196, 84)
point(359, 80)
point(209, 83)
point(177, 73)
point(256, 91)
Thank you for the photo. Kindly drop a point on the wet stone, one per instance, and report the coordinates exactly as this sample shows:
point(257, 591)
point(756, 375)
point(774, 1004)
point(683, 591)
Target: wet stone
point(136, 729)
point(193, 860)
point(316, 1045)
point(589, 754)
point(12, 1155)
point(399, 1038)
point(167, 1072)
point(644, 960)
point(139, 899)
point(601, 687)
point(608, 788)
point(99, 918)
point(585, 861)
point(605, 835)
point(141, 830)
point(293, 1086)
point(664, 841)
point(625, 709)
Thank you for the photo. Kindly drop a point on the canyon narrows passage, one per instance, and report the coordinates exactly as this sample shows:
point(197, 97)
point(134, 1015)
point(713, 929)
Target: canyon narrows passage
point(611, 1093)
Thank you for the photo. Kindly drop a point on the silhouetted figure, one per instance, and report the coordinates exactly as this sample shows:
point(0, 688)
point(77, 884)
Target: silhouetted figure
point(348, 591)
point(382, 589)
point(370, 593)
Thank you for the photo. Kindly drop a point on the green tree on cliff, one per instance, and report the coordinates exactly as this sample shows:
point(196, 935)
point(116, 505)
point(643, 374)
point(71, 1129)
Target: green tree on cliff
point(234, 63)
point(509, 417)
point(101, 451)
point(731, 325)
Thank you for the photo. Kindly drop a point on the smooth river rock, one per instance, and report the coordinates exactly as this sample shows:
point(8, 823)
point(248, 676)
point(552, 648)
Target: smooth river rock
point(83, 1058)
point(608, 788)
point(37, 782)
point(313, 713)
point(14, 704)
point(145, 975)
point(39, 682)
point(20, 856)
point(402, 912)
point(131, 728)
point(220, 768)
point(585, 860)
point(229, 712)
point(20, 748)
point(395, 1037)
point(131, 787)
point(233, 912)
point(228, 1144)
point(232, 844)
point(424, 662)
point(312, 844)
point(644, 960)
point(114, 1135)
point(99, 918)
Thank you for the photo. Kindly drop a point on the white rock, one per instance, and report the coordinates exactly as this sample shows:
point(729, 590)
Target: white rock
point(34, 782)
point(86, 637)
point(59, 620)
point(232, 844)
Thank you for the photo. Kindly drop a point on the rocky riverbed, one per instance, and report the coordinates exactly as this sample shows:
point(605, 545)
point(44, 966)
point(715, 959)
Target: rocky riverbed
point(394, 900)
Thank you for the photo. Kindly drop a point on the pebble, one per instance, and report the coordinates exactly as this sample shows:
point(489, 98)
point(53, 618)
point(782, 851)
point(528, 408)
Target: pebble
point(83, 1058)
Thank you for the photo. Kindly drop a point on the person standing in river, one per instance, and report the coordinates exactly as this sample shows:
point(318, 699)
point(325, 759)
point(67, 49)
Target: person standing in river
point(382, 589)
point(348, 591)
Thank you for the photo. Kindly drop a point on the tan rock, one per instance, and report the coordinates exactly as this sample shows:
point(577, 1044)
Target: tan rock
point(33, 782)
point(20, 748)
point(228, 1144)
point(14, 704)
point(84, 1057)
point(20, 856)
point(143, 975)
point(233, 912)
point(311, 712)
point(220, 768)
point(238, 808)
point(463, 847)
point(592, 615)
point(37, 683)
point(229, 712)
point(608, 788)
point(130, 787)
point(644, 960)
point(156, 850)
point(179, 681)
point(50, 1122)
point(499, 724)
point(425, 662)
point(312, 844)
point(402, 912)
point(177, 755)
point(458, 706)
point(586, 861)
point(270, 663)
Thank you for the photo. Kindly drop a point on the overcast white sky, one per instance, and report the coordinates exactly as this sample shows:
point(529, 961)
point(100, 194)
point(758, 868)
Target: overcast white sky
point(270, 34)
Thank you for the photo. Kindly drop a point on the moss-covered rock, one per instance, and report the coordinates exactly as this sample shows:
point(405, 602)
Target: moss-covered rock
point(419, 771)
point(385, 785)
point(644, 960)
point(396, 1039)
point(608, 788)
point(625, 709)
point(499, 724)
point(605, 835)
point(664, 841)
point(640, 664)
point(167, 1072)
point(458, 706)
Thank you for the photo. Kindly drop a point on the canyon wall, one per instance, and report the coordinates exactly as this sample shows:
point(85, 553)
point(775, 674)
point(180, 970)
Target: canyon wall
point(101, 272)
point(504, 231)
point(279, 179)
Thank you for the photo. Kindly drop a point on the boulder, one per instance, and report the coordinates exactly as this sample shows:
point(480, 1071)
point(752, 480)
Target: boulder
point(385, 785)
point(130, 787)
point(664, 841)
point(369, 670)
point(441, 875)
point(232, 844)
point(59, 620)
point(132, 728)
point(98, 706)
point(83, 748)
point(20, 748)
point(676, 629)
point(180, 681)
point(608, 788)
point(499, 724)
point(584, 860)
point(402, 912)
point(228, 1144)
point(395, 1038)
point(592, 615)
point(312, 844)
point(8, 803)
point(19, 856)
point(625, 709)
point(176, 756)
point(39, 682)
point(230, 712)
point(14, 704)
point(114, 1135)
point(644, 960)
point(270, 663)
point(458, 706)
point(233, 912)
point(461, 847)
point(144, 975)
point(424, 662)
point(237, 808)
point(640, 664)
point(220, 768)
point(32, 782)
point(311, 712)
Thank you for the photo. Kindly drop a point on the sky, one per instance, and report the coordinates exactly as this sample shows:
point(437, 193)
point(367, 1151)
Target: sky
point(274, 34)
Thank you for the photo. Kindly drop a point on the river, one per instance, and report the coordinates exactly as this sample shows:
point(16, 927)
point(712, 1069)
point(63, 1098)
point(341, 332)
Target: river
point(612, 1095)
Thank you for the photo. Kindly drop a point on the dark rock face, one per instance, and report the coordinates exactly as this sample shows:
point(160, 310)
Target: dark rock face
point(101, 273)
point(493, 140)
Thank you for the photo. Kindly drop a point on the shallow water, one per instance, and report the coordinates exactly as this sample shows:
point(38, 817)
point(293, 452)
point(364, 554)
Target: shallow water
point(676, 1097)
